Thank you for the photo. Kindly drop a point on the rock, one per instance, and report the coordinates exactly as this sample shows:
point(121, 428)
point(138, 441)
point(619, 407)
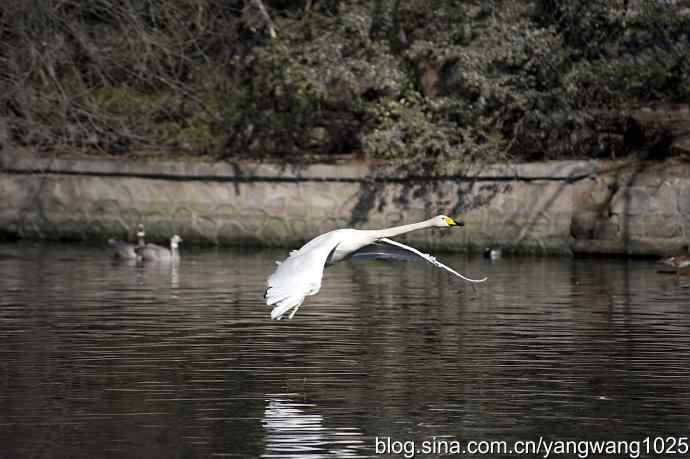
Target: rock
point(583, 224)
point(607, 229)
point(665, 126)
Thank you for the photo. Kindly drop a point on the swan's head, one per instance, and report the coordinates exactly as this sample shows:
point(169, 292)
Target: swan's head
point(140, 230)
point(443, 221)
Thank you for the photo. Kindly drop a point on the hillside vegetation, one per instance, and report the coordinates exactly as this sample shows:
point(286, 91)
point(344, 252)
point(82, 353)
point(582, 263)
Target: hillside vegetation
point(430, 84)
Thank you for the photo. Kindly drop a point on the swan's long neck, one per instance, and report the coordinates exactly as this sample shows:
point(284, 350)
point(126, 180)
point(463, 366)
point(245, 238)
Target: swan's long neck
point(141, 240)
point(398, 230)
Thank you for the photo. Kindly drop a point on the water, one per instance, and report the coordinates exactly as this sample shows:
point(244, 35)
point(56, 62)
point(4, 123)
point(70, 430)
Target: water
point(114, 360)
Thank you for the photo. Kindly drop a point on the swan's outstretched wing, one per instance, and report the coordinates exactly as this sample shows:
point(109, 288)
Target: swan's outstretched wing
point(299, 276)
point(430, 259)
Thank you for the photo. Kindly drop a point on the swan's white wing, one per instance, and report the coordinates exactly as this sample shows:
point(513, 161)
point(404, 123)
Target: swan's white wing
point(299, 275)
point(430, 259)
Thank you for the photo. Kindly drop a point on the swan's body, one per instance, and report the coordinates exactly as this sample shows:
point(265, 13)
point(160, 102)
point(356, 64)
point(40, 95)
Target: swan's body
point(300, 274)
point(126, 250)
point(153, 252)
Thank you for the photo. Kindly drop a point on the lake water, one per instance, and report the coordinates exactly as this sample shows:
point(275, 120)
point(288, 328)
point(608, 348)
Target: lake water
point(99, 359)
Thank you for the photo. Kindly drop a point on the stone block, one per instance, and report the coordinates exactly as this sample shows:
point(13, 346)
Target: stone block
point(668, 227)
point(583, 224)
point(607, 229)
point(645, 201)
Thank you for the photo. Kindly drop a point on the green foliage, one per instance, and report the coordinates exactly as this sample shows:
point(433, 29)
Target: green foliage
point(427, 88)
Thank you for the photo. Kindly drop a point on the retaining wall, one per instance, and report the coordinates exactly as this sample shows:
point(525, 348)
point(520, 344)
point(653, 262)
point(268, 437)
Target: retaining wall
point(557, 207)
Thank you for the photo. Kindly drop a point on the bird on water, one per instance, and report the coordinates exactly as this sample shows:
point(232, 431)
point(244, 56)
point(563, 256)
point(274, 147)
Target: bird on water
point(492, 253)
point(158, 253)
point(300, 274)
point(678, 261)
point(127, 250)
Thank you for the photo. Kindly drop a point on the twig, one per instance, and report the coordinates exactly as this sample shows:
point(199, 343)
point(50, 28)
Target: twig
point(266, 17)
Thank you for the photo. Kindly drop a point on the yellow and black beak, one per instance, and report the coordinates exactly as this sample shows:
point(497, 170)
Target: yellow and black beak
point(456, 222)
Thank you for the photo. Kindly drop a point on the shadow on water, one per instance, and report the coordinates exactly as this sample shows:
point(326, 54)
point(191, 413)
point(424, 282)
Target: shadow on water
point(102, 359)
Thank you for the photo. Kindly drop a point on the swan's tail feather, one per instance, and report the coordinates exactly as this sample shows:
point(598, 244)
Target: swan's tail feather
point(282, 302)
point(275, 295)
point(281, 308)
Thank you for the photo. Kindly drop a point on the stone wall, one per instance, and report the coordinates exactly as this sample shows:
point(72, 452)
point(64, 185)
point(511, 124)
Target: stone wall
point(558, 207)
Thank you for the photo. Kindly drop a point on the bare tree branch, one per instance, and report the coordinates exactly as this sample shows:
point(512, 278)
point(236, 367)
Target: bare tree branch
point(266, 17)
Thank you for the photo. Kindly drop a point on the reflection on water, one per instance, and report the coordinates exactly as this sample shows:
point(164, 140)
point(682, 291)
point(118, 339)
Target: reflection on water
point(108, 359)
point(292, 431)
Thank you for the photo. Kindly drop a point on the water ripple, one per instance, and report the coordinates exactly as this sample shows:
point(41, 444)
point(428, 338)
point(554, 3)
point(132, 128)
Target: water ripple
point(157, 362)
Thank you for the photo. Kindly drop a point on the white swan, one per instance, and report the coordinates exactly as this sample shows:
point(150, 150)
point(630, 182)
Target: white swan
point(300, 274)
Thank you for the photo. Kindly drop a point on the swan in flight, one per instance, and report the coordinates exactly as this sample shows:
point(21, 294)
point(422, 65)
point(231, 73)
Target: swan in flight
point(300, 274)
